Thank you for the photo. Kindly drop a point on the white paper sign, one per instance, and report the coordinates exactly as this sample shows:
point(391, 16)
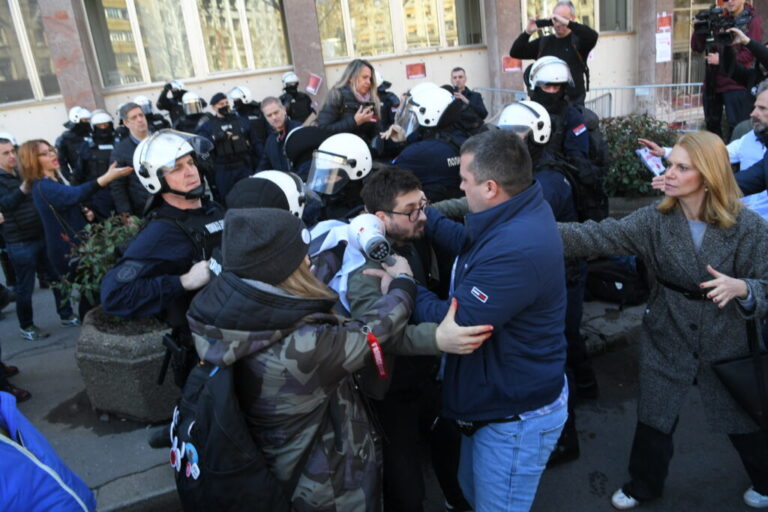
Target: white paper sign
point(663, 47)
point(653, 163)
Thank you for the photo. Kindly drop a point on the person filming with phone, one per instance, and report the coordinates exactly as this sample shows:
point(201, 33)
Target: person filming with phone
point(570, 42)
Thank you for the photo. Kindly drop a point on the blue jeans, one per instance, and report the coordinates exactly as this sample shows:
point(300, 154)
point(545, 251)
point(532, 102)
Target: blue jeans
point(25, 258)
point(501, 464)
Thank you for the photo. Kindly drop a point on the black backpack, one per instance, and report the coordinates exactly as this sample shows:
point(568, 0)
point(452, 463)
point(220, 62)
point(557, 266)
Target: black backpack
point(610, 280)
point(218, 464)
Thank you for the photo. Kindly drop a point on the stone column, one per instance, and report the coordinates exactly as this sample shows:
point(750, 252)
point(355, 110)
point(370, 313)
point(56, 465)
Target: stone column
point(75, 65)
point(502, 26)
point(304, 38)
point(648, 71)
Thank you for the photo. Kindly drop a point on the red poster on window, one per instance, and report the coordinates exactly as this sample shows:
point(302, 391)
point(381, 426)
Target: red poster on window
point(663, 22)
point(418, 70)
point(511, 64)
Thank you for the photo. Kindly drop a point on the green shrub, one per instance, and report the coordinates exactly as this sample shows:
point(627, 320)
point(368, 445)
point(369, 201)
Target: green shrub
point(627, 174)
point(97, 253)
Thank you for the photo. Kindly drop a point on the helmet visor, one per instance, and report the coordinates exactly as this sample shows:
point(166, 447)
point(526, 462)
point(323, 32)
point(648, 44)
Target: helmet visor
point(328, 173)
point(167, 146)
point(522, 131)
point(193, 107)
point(406, 118)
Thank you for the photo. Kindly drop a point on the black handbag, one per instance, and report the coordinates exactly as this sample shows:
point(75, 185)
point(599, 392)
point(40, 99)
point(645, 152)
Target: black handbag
point(746, 378)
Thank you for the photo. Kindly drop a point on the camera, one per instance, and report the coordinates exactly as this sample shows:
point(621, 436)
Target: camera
point(714, 23)
point(544, 23)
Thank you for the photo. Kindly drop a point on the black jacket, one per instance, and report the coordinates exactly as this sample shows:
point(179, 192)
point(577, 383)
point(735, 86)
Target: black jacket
point(129, 194)
point(22, 222)
point(338, 115)
point(273, 156)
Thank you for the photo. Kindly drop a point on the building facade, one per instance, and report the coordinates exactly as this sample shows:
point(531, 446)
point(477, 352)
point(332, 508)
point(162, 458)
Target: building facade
point(55, 54)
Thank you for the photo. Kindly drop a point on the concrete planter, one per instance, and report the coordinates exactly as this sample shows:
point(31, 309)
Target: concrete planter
point(622, 206)
point(120, 368)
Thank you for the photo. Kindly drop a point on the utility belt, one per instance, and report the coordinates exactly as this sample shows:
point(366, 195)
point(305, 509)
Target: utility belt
point(688, 294)
point(470, 427)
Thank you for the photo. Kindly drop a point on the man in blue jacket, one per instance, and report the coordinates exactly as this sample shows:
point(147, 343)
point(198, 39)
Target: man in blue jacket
point(509, 396)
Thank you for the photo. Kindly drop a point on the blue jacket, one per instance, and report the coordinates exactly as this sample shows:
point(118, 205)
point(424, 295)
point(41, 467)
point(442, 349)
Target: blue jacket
point(273, 157)
point(755, 179)
point(61, 228)
point(32, 477)
point(436, 163)
point(509, 273)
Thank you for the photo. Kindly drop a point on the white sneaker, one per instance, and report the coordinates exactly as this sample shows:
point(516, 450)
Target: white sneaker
point(754, 499)
point(621, 501)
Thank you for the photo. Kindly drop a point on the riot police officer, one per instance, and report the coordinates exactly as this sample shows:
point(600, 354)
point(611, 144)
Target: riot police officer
point(155, 121)
point(298, 104)
point(94, 161)
point(428, 119)
point(233, 154)
point(250, 110)
point(192, 113)
point(174, 103)
point(389, 101)
point(78, 129)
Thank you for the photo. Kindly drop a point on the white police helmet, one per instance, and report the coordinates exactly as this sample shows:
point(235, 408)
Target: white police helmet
point(293, 188)
point(9, 136)
point(290, 78)
point(145, 104)
point(239, 93)
point(340, 158)
point(526, 117)
point(157, 154)
point(77, 114)
point(425, 106)
point(192, 103)
point(100, 117)
point(550, 70)
point(177, 85)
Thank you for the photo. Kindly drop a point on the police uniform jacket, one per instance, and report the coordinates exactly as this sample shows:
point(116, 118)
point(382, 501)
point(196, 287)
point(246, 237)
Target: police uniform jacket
point(509, 273)
point(293, 362)
point(680, 338)
point(146, 280)
point(129, 194)
point(436, 163)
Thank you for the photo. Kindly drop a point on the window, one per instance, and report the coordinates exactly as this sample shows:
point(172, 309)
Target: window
point(26, 68)
point(269, 39)
point(686, 67)
point(223, 34)
point(114, 42)
point(585, 10)
point(614, 16)
point(611, 16)
point(381, 27)
point(165, 39)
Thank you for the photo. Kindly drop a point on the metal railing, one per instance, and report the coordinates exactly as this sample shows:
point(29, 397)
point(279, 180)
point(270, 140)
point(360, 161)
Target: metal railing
point(680, 105)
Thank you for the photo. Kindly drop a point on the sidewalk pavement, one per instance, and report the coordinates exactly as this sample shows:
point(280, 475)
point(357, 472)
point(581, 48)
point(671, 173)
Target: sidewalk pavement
point(111, 454)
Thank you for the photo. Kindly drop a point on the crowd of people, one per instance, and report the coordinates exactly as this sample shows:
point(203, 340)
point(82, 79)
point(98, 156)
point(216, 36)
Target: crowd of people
point(391, 273)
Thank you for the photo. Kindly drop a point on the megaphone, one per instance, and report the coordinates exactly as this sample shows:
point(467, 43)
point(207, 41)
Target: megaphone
point(367, 231)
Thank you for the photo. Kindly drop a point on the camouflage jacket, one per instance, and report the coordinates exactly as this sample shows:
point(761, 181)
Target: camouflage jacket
point(293, 363)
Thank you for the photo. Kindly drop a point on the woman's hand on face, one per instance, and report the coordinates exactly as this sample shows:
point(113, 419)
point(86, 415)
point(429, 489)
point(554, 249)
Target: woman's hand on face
point(724, 288)
point(455, 339)
point(656, 150)
point(657, 182)
point(364, 114)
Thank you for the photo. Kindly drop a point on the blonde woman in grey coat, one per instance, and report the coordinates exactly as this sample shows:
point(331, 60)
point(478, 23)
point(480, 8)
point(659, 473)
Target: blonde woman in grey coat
point(710, 256)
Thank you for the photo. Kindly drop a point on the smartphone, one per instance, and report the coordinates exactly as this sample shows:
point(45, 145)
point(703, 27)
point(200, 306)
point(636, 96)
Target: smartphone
point(544, 23)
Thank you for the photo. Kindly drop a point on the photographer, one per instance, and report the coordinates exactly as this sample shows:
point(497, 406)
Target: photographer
point(571, 42)
point(748, 76)
point(711, 37)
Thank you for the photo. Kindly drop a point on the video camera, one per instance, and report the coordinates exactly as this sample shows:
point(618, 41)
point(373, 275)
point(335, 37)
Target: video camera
point(714, 23)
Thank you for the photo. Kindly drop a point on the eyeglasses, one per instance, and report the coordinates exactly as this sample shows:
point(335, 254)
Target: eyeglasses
point(51, 151)
point(414, 214)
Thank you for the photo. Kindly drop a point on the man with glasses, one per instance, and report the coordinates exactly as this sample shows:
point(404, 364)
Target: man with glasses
point(406, 402)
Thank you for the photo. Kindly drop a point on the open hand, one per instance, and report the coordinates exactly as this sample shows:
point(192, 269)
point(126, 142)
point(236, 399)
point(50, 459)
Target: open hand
point(455, 339)
point(739, 37)
point(655, 149)
point(724, 288)
point(364, 114)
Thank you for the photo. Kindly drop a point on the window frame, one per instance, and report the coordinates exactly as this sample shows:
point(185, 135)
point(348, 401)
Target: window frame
point(28, 58)
point(630, 18)
point(399, 39)
point(198, 51)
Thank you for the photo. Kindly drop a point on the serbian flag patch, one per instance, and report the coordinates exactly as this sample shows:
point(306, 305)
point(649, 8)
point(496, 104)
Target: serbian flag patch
point(579, 129)
point(479, 295)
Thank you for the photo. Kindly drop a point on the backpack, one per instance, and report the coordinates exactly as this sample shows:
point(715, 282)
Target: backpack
point(612, 280)
point(218, 464)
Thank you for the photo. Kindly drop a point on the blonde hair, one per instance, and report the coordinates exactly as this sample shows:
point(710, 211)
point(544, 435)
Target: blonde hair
point(709, 156)
point(350, 75)
point(303, 283)
point(29, 161)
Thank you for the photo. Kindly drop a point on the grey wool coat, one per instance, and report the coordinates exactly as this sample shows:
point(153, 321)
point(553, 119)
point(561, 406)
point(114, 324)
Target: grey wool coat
point(681, 337)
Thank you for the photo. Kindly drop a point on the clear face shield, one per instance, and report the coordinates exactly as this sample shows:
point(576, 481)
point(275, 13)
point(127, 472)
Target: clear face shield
point(328, 174)
point(406, 118)
point(193, 107)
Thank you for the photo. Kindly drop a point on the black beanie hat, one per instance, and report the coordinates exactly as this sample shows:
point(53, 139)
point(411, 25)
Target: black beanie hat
point(265, 244)
point(217, 98)
point(256, 193)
